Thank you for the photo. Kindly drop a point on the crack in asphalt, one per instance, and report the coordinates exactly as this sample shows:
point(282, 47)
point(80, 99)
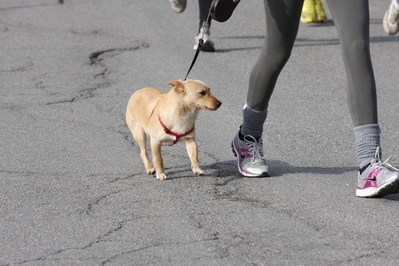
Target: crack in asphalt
point(155, 245)
point(224, 190)
point(89, 209)
point(21, 7)
point(98, 56)
point(83, 94)
point(102, 74)
point(19, 69)
point(116, 227)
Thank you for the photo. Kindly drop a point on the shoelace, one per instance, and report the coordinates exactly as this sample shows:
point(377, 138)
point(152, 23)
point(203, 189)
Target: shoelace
point(380, 163)
point(255, 148)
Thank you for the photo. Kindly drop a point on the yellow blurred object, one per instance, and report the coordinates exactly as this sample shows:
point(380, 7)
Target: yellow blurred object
point(313, 12)
point(308, 12)
point(321, 15)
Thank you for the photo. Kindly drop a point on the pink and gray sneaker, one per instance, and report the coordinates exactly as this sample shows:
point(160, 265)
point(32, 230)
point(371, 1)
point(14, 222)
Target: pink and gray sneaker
point(250, 159)
point(378, 179)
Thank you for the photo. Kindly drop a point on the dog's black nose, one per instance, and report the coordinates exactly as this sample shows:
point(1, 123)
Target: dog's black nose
point(218, 104)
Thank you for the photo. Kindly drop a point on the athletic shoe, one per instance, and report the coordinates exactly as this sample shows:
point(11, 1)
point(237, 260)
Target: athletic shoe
point(391, 20)
point(178, 5)
point(378, 179)
point(250, 158)
point(309, 14)
point(208, 45)
point(321, 15)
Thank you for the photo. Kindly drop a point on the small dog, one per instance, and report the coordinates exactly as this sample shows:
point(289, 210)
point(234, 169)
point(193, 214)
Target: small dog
point(168, 118)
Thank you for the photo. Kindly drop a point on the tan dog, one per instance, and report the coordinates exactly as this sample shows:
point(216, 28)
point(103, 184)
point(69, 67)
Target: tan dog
point(168, 118)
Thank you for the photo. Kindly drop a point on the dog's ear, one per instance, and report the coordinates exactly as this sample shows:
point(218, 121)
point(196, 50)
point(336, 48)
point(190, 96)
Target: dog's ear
point(178, 86)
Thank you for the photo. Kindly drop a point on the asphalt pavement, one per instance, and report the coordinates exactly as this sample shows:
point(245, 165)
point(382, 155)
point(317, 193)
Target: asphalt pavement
point(73, 190)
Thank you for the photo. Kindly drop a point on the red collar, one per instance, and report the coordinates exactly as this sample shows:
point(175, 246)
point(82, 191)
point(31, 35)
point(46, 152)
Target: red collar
point(177, 135)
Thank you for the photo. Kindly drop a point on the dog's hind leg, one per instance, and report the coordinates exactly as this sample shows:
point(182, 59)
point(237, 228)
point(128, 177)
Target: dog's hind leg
point(141, 139)
point(192, 150)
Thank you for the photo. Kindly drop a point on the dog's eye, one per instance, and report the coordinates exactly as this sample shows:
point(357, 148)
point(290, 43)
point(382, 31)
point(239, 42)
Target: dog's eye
point(202, 93)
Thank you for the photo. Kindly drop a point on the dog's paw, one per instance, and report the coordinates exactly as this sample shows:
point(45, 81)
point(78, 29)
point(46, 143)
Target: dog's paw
point(151, 171)
point(198, 172)
point(161, 176)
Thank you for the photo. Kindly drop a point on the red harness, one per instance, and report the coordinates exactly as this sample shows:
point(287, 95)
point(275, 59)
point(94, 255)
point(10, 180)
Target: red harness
point(169, 132)
point(177, 135)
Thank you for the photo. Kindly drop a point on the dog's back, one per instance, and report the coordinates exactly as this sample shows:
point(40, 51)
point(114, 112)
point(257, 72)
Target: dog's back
point(141, 104)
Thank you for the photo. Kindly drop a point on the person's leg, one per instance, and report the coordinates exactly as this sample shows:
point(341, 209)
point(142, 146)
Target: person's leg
point(282, 21)
point(375, 178)
point(362, 99)
point(208, 45)
point(352, 22)
point(204, 6)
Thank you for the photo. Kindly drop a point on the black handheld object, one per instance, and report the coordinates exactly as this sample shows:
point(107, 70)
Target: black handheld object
point(222, 10)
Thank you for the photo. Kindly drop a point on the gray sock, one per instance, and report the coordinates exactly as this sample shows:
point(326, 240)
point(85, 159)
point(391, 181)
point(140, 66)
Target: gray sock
point(367, 140)
point(253, 122)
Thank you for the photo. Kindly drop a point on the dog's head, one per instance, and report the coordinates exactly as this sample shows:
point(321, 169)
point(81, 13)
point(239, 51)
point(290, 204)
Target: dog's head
point(196, 94)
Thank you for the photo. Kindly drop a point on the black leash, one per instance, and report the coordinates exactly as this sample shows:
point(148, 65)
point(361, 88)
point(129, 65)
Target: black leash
point(220, 10)
point(205, 27)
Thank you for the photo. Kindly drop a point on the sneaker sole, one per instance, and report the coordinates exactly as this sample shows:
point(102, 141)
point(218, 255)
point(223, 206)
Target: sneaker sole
point(387, 189)
point(235, 152)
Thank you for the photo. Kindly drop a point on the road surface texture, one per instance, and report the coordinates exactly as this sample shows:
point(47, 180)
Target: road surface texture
point(73, 189)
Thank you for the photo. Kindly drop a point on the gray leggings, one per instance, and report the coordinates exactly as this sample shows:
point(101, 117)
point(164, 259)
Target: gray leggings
point(351, 18)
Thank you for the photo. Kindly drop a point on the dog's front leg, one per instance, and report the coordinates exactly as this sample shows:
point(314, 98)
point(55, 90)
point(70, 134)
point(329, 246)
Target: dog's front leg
point(157, 159)
point(192, 151)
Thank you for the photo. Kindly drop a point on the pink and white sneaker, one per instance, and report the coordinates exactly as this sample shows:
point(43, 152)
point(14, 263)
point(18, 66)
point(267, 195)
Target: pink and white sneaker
point(250, 159)
point(378, 179)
